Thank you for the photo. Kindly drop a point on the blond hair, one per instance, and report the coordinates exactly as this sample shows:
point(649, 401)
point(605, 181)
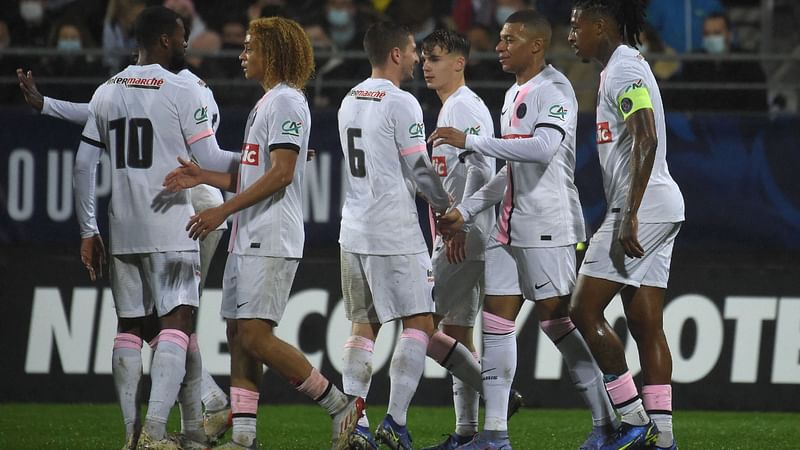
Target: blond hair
point(287, 50)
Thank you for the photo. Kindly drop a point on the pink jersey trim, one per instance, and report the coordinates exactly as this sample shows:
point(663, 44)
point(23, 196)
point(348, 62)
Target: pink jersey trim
point(521, 94)
point(413, 149)
point(504, 226)
point(360, 342)
point(200, 135)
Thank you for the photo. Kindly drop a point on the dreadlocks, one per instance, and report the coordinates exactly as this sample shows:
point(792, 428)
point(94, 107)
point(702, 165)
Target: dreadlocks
point(629, 15)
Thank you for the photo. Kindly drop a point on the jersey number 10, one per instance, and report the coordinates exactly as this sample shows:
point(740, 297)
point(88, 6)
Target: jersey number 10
point(139, 148)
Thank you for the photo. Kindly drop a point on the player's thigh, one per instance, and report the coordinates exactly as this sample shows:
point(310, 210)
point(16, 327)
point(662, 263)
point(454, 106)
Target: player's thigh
point(545, 272)
point(456, 289)
point(173, 278)
point(358, 304)
point(401, 285)
point(605, 258)
point(500, 274)
point(131, 293)
point(257, 287)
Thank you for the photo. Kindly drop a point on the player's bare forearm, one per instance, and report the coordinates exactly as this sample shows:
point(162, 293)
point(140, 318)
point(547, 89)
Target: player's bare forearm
point(643, 155)
point(279, 175)
point(223, 180)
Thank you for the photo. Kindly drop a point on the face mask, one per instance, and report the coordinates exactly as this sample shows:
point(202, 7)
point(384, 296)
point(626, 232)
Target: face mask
point(69, 45)
point(342, 36)
point(715, 44)
point(643, 49)
point(338, 17)
point(502, 13)
point(31, 11)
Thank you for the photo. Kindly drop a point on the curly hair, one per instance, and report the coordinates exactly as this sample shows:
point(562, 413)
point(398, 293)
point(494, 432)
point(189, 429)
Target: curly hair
point(629, 15)
point(287, 50)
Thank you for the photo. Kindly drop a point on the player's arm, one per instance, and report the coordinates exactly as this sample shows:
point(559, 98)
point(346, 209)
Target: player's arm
point(84, 177)
point(539, 148)
point(277, 177)
point(490, 194)
point(77, 113)
point(636, 108)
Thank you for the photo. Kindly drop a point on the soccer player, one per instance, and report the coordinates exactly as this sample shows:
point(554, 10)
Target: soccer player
point(137, 118)
point(267, 233)
point(216, 420)
point(631, 252)
point(386, 269)
point(458, 262)
point(532, 253)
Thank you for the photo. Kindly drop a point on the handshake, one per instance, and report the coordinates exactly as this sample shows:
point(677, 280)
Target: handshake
point(451, 226)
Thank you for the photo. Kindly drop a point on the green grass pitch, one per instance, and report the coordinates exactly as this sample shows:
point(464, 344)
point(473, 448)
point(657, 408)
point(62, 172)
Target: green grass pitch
point(87, 426)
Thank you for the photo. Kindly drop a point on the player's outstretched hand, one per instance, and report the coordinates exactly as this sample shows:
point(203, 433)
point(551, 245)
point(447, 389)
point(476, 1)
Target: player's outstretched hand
point(205, 222)
point(450, 223)
point(449, 136)
point(186, 176)
point(457, 248)
point(628, 237)
point(28, 87)
point(93, 256)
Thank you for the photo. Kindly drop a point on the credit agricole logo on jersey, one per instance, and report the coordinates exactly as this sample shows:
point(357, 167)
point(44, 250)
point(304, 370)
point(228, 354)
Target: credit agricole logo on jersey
point(476, 130)
point(557, 112)
point(416, 130)
point(201, 115)
point(291, 128)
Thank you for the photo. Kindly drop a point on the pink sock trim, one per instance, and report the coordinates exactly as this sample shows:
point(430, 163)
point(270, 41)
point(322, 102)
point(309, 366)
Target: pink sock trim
point(440, 346)
point(127, 340)
point(177, 337)
point(417, 335)
point(496, 324)
point(243, 401)
point(557, 328)
point(657, 397)
point(153, 343)
point(315, 385)
point(622, 389)
point(360, 342)
point(193, 347)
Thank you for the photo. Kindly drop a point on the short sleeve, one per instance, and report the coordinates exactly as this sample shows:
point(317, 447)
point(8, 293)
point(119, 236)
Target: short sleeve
point(193, 113)
point(631, 92)
point(213, 108)
point(466, 116)
point(286, 121)
point(409, 128)
point(556, 111)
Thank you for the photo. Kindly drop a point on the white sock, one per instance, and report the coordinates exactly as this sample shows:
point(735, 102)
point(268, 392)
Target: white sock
point(465, 401)
point(456, 358)
point(244, 430)
point(357, 370)
point(587, 377)
point(167, 372)
point(126, 367)
point(634, 413)
point(498, 364)
point(214, 398)
point(405, 371)
point(664, 424)
point(189, 395)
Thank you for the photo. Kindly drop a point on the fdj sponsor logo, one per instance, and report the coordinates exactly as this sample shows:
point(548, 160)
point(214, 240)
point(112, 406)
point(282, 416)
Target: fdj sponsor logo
point(604, 133)
point(201, 115)
point(476, 130)
point(557, 112)
point(439, 165)
point(250, 154)
point(291, 128)
point(416, 130)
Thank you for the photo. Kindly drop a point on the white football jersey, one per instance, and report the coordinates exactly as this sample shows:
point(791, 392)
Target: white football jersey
point(273, 226)
point(465, 111)
point(145, 117)
point(662, 201)
point(378, 124)
point(541, 207)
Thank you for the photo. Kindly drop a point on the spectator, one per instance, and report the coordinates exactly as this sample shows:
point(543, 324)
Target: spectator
point(504, 8)
point(465, 13)
point(191, 19)
point(204, 65)
point(70, 36)
point(118, 32)
point(342, 24)
point(32, 25)
point(668, 17)
point(652, 44)
point(482, 41)
point(717, 41)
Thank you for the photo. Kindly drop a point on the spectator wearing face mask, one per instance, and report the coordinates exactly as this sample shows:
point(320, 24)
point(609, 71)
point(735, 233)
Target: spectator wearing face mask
point(718, 41)
point(505, 8)
point(31, 24)
point(70, 37)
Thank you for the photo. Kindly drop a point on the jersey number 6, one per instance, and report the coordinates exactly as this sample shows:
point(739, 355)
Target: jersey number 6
point(140, 143)
point(355, 155)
